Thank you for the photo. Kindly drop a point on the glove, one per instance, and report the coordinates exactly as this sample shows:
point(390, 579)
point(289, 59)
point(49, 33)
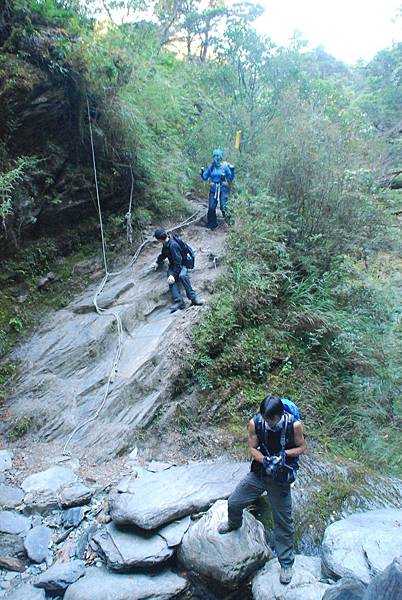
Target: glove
point(202, 171)
point(267, 462)
point(171, 279)
point(155, 266)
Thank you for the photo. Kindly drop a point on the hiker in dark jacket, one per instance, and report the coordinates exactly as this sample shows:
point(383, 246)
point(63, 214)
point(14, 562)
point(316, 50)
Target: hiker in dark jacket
point(177, 272)
point(276, 440)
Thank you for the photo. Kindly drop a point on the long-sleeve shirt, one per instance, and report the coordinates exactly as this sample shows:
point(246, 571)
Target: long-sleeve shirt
point(223, 174)
point(171, 250)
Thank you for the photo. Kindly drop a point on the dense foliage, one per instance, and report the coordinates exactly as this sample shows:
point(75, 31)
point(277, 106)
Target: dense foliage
point(308, 306)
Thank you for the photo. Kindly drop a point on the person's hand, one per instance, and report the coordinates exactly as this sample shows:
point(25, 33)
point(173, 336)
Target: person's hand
point(171, 279)
point(267, 463)
point(202, 171)
point(155, 266)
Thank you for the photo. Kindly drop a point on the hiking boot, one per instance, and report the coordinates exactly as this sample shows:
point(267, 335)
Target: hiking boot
point(197, 302)
point(285, 576)
point(178, 305)
point(226, 527)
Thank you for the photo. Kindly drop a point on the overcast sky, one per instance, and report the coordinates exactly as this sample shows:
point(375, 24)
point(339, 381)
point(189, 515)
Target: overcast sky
point(348, 29)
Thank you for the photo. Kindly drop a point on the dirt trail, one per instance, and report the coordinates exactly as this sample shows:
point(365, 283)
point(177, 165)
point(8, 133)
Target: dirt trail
point(65, 364)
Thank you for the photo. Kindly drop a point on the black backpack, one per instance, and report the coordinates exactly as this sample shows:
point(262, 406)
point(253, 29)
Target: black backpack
point(187, 252)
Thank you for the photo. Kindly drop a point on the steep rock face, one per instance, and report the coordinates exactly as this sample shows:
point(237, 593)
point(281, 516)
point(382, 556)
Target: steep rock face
point(65, 365)
point(43, 116)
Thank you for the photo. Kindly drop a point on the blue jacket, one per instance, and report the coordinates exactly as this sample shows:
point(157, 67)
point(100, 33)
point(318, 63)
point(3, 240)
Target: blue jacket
point(172, 252)
point(223, 174)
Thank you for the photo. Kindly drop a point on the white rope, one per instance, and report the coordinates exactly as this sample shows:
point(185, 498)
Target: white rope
point(96, 187)
point(128, 214)
point(101, 311)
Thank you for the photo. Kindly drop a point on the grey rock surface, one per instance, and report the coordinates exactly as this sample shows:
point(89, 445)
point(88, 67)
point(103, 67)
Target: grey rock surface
point(305, 584)
point(42, 503)
point(6, 460)
point(111, 586)
point(67, 360)
point(174, 532)
point(12, 522)
point(37, 543)
point(125, 549)
point(10, 496)
point(42, 489)
point(11, 545)
point(363, 544)
point(25, 592)
point(346, 589)
point(228, 558)
point(388, 584)
point(72, 517)
point(60, 576)
point(158, 498)
point(51, 480)
point(75, 494)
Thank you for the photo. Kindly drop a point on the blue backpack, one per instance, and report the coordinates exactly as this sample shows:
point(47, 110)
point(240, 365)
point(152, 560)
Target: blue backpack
point(291, 408)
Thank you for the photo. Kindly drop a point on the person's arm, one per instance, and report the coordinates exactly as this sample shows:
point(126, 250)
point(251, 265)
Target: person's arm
point(161, 257)
point(206, 173)
point(229, 174)
point(300, 442)
point(253, 443)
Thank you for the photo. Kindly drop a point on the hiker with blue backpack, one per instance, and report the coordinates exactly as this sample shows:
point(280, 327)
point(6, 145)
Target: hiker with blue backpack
point(220, 175)
point(276, 440)
point(181, 258)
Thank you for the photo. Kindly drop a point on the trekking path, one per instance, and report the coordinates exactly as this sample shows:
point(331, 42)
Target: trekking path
point(65, 364)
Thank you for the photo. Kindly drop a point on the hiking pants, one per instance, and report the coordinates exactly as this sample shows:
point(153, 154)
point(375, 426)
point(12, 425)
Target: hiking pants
point(184, 279)
point(279, 495)
point(217, 193)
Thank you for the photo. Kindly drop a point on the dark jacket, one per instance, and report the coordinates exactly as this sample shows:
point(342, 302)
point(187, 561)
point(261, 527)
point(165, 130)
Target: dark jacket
point(172, 252)
point(271, 441)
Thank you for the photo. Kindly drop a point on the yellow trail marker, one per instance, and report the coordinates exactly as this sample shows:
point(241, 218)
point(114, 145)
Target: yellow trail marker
point(238, 139)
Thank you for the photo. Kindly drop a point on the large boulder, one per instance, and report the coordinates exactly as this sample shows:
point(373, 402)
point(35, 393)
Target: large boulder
point(37, 543)
point(158, 498)
point(42, 489)
point(12, 522)
point(227, 558)
point(346, 589)
point(53, 479)
point(388, 584)
point(112, 586)
point(57, 579)
point(125, 549)
point(363, 544)
point(75, 494)
point(305, 584)
point(10, 496)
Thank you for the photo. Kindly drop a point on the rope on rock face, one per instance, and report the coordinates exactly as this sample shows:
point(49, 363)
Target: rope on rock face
point(128, 214)
point(102, 311)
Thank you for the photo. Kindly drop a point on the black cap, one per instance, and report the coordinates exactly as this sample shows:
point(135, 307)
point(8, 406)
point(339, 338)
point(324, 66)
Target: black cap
point(160, 233)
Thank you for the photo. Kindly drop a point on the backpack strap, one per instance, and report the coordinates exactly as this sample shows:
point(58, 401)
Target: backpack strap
point(284, 432)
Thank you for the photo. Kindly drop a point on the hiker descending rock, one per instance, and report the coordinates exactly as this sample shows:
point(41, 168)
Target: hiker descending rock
point(181, 258)
point(276, 440)
point(220, 174)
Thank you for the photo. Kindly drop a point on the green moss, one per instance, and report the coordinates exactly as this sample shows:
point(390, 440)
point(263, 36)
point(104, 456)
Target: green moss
point(20, 428)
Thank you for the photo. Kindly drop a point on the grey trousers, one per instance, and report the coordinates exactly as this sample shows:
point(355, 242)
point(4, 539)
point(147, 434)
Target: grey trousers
point(279, 495)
